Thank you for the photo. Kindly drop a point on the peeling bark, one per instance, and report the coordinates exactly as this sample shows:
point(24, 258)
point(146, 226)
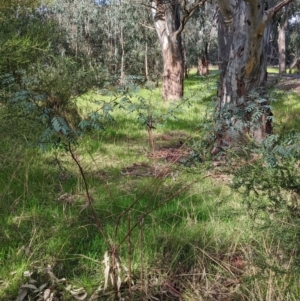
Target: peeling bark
point(167, 22)
point(203, 62)
point(243, 35)
point(295, 64)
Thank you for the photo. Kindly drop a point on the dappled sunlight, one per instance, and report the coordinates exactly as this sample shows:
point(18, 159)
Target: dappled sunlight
point(125, 175)
point(286, 111)
point(185, 217)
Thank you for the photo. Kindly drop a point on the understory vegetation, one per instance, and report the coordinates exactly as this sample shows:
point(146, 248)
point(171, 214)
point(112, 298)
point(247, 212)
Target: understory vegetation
point(134, 207)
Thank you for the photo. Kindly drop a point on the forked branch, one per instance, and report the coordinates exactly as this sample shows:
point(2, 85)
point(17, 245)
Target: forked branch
point(270, 13)
point(89, 198)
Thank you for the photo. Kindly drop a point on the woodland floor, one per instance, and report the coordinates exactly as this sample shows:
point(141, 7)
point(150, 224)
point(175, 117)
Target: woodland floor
point(287, 82)
point(202, 245)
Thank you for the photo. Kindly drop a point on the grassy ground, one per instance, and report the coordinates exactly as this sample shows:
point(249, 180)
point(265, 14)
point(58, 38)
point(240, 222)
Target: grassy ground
point(197, 241)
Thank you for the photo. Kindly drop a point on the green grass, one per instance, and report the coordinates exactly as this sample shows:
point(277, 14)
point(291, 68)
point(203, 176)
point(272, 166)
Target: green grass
point(273, 70)
point(276, 70)
point(202, 241)
point(286, 111)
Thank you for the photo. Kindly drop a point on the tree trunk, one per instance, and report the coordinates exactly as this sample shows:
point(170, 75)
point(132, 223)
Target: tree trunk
point(185, 66)
point(122, 72)
point(243, 34)
point(202, 68)
point(298, 66)
point(203, 63)
point(146, 64)
point(172, 87)
point(295, 64)
point(167, 21)
point(282, 27)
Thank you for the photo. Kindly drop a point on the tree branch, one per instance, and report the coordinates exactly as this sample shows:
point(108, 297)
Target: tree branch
point(188, 14)
point(149, 27)
point(146, 213)
point(270, 13)
point(89, 198)
point(226, 10)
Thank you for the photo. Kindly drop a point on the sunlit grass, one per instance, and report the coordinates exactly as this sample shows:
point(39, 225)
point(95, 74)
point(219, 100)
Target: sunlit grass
point(273, 69)
point(286, 109)
point(198, 233)
point(44, 199)
point(276, 70)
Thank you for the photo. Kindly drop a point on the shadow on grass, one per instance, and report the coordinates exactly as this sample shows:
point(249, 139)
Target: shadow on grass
point(182, 240)
point(42, 228)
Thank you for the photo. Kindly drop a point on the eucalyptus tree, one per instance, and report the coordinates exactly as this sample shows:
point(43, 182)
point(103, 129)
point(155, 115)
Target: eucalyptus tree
point(199, 37)
point(170, 18)
point(137, 47)
point(17, 6)
point(294, 44)
point(243, 32)
point(281, 42)
point(286, 22)
point(78, 21)
point(293, 47)
point(114, 34)
point(24, 38)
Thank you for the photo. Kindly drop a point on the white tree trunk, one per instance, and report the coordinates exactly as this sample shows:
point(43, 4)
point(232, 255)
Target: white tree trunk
point(122, 72)
point(281, 41)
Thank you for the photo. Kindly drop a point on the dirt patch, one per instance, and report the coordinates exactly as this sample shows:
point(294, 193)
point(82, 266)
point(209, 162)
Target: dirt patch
point(286, 82)
point(172, 148)
point(174, 138)
point(290, 83)
point(172, 154)
point(147, 170)
point(138, 170)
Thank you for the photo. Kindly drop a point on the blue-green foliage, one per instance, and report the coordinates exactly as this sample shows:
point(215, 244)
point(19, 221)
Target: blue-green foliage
point(37, 82)
point(245, 116)
point(147, 114)
point(272, 181)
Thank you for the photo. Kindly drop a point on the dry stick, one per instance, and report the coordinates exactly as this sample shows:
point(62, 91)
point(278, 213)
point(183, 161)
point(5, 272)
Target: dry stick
point(88, 197)
point(112, 249)
point(105, 183)
point(157, 206)
point(115, 277)
point(156, 179)
point(163, 172)
point(129, 259)
point(132, 205)
point(108, 190)
point(141, 254)
point(151, 139)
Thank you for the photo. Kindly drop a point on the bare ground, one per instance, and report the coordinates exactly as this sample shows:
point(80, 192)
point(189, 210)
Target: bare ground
point(287, 82)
